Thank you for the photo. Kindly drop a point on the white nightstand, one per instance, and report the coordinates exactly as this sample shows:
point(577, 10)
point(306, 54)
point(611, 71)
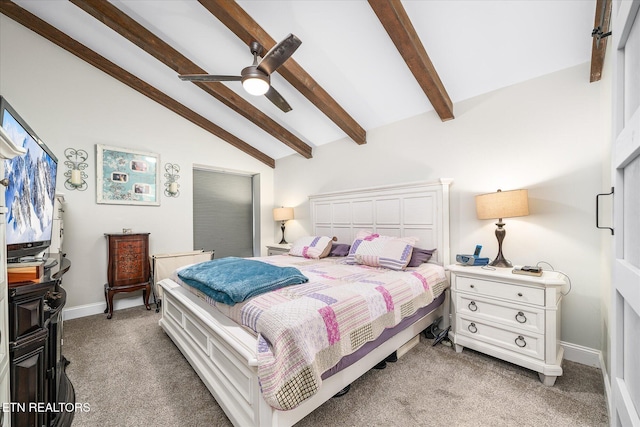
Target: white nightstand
point(278, 249)
point(509, 316)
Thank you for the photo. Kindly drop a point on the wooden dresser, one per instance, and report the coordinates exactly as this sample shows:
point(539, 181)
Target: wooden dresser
point(128, 267)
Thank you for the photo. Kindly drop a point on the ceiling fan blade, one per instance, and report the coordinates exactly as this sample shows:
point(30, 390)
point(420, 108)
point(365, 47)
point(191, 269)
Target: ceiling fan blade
point(275, 97)
point(279, 54)
point(208, 78)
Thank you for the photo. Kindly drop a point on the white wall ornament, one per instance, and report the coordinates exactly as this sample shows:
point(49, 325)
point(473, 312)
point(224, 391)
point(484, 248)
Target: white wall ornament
point(76, 177)
point(171, 186)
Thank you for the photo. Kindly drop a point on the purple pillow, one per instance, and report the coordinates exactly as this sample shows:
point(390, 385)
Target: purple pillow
point(419, 256)
point(339, 249)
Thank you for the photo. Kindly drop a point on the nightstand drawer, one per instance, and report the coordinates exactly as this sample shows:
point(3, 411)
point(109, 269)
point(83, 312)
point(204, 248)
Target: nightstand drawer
point(526, 318)
point(272, 252)
point(520, 342)
point(278, 250)
point(508, 291)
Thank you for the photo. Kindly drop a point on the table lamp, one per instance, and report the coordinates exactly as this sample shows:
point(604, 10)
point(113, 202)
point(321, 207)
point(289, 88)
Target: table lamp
point(284, 215)
point(502, 204)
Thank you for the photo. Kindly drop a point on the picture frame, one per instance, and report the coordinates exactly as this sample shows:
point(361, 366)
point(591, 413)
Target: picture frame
point(127, 177)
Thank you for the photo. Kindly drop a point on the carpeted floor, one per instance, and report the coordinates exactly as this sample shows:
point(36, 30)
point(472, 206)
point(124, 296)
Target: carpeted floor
point(115, 368)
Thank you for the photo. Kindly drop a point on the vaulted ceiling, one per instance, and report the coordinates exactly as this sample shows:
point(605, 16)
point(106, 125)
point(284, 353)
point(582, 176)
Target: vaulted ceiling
point(361, 65)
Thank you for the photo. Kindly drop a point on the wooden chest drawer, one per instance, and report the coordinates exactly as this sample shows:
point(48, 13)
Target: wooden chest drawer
point(128, 268)
point(520, 342)
point(510, 315)
point(510, 292)
point(128, 259)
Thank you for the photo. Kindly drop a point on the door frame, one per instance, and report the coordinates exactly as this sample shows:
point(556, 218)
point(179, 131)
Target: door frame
point(625, 295)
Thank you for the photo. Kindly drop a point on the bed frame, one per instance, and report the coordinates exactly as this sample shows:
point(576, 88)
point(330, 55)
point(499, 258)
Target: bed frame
point(224, 354)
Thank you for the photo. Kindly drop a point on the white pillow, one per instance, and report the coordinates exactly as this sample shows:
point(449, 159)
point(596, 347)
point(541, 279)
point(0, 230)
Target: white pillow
point(381, 251)
point(311, 247)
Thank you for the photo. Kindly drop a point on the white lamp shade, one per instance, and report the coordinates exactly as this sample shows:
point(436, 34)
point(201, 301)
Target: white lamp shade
point(255, 86)
point(282, 214)
point(502, 204)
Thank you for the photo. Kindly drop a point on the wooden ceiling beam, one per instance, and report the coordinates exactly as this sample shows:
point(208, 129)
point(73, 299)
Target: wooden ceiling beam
point(248, 30)
point(602, 23)
point(127, 27)
point(37, 25)
point(396, 22)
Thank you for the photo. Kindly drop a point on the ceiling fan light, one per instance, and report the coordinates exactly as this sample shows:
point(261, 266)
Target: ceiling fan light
point(255, 85)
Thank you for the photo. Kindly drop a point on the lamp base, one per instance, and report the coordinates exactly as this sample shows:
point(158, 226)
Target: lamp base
point(283, 242)
point(500, 260)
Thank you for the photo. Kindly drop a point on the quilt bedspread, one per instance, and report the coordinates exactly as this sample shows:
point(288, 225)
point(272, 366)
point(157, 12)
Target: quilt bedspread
point(305, 329)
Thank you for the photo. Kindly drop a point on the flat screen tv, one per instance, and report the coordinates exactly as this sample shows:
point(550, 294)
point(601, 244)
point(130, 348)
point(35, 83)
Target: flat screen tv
point(30, 194)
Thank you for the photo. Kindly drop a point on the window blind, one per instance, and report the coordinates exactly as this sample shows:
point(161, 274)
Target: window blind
point(223, 213)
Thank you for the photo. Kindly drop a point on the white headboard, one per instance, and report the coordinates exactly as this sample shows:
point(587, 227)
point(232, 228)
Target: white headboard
point(417, 209)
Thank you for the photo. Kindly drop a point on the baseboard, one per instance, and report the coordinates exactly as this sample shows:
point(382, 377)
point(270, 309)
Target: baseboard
point(98, 307)
point(583, 355)
point(607, 386)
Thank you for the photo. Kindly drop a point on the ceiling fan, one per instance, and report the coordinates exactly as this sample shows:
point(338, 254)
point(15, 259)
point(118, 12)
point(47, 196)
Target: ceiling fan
point(256, 78)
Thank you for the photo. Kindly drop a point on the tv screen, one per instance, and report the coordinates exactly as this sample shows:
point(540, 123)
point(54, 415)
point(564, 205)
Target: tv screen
point(30, 194)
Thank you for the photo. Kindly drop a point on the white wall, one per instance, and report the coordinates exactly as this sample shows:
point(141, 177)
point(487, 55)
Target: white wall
point(545, 135)
point(69, 103)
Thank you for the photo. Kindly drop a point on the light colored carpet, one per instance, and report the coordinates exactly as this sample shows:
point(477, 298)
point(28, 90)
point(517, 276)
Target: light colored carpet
point(115, 366)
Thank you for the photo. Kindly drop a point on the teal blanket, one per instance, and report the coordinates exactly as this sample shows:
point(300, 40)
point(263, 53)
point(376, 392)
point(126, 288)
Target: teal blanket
point(231, 280)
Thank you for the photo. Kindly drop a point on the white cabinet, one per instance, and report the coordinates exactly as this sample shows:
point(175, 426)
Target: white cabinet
point(509, 316)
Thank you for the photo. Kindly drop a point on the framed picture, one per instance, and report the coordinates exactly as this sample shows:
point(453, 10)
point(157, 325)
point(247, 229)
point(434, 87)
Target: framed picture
point(127, 177)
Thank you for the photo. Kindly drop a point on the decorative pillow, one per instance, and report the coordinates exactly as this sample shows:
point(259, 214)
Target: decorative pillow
point(339, 249)
point(419, 256)
point(311, 247)
point(381, 251)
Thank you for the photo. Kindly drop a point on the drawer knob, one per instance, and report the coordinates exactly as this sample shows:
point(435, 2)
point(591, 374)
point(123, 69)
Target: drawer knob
point(519, 294)
point(472, 328)
point(472, 306)
point(520, 342)
point(521, 318)
point(472, 286)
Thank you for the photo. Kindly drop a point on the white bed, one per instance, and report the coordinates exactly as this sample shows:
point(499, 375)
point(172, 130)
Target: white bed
point(224, 354)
